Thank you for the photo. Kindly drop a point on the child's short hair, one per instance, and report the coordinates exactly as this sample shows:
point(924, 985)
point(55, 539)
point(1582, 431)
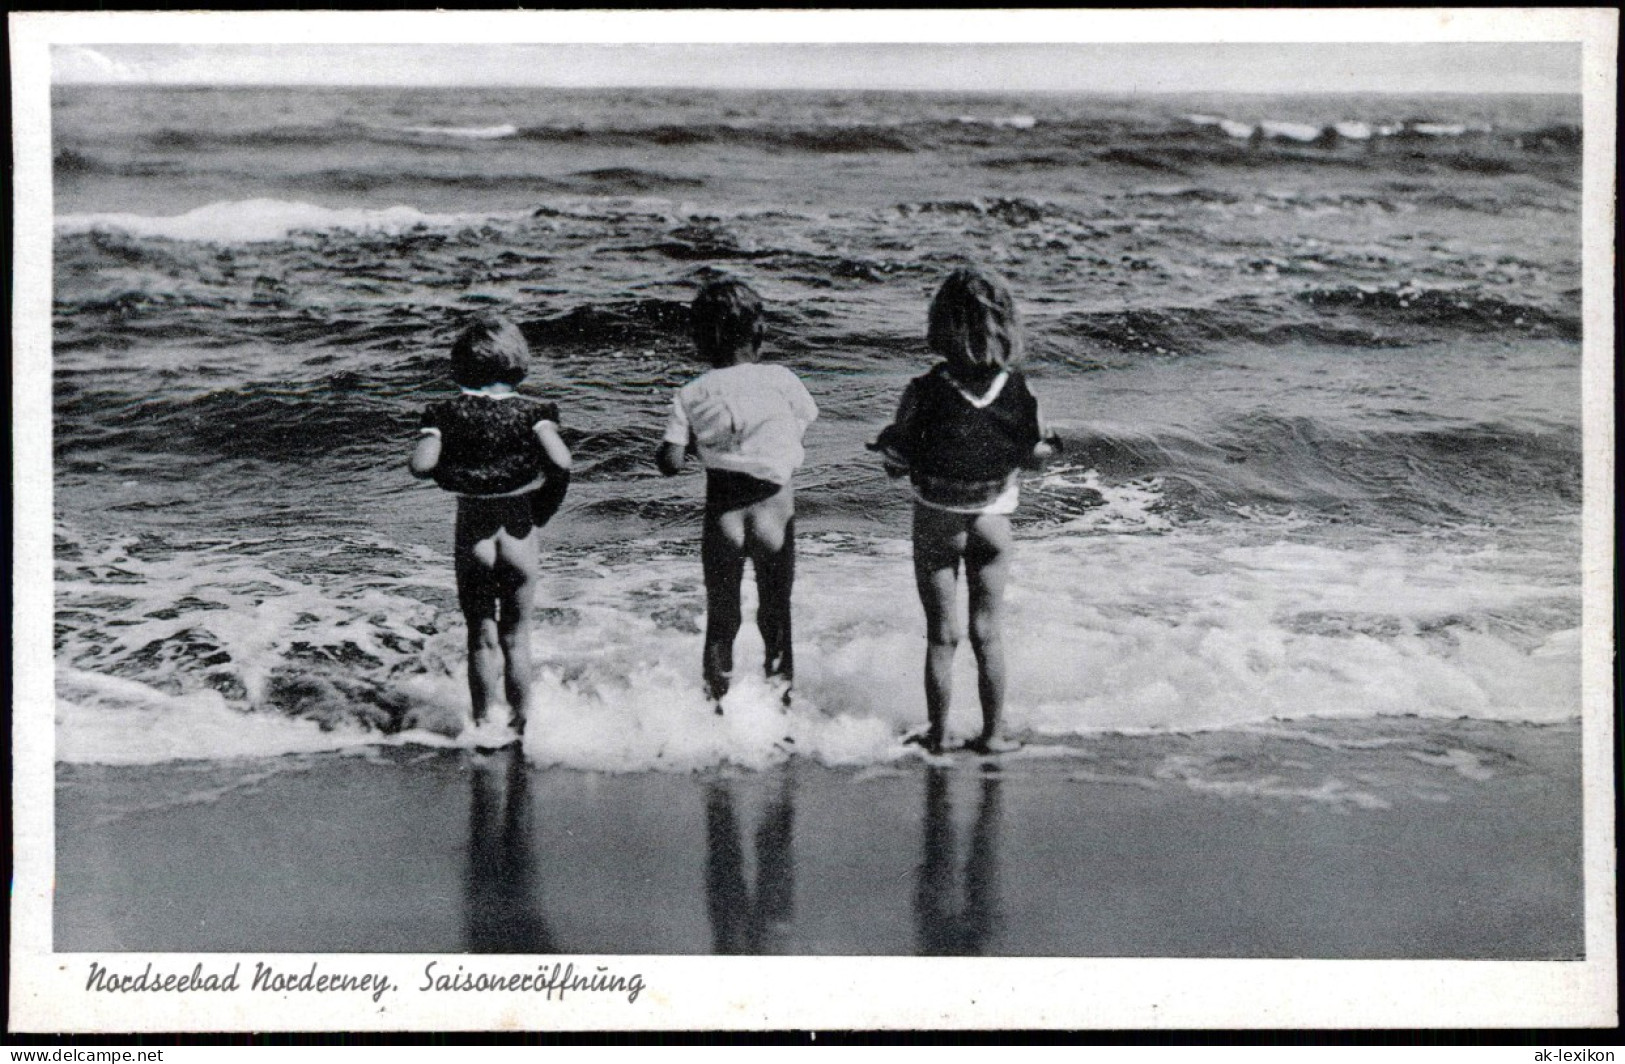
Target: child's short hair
point(490, 350)
point(973, 321)
point(725, 316)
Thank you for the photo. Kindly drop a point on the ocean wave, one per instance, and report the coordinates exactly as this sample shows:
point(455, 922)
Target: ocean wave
point(615, 323)
point(1451, 308)
point(1004, 122)
point(1224, 144)
point(891, 135)
point(1362, 130)
point(70, 162)
point(1011, 211)
point(253, 220)
point(1399, 315)
point(396, 181)
point(824, 139)
point(500, 132)
point(215, 653)
point(1424, 476)
point(629, 180)
point(201, 139)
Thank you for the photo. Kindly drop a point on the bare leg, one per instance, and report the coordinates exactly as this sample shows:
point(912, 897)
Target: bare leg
point(518, 591)
point(939, 540)
point(477, 595)
point(987, 564)
point(722, 557)
point(484, 665)
point(496, 567)
point(774, 558)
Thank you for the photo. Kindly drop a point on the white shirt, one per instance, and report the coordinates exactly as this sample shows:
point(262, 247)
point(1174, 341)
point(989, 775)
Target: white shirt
point(747, 419)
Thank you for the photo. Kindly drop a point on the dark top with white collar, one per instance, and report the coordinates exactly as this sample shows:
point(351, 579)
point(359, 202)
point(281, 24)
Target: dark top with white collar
point(949, 437)
point(488, 443)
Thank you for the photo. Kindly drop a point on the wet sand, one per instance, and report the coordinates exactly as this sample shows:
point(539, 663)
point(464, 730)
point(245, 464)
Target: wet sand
point(1398, 838)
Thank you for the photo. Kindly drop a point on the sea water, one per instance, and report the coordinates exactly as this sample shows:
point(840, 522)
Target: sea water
point(1319, 395)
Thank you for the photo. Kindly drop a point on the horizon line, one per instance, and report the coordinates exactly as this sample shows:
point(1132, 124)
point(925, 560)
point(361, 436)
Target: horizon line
point(893, 89)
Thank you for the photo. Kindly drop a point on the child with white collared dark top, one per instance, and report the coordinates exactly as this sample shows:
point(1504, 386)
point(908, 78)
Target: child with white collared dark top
point(500, 453)
point(745, 421)
point(963, 433)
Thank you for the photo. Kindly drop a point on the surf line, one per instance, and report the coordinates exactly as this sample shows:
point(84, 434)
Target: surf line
point(562, 978)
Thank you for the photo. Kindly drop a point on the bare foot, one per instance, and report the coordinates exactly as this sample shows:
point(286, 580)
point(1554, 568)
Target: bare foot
point(488, 737)
point(929, 741)
point(992, 744)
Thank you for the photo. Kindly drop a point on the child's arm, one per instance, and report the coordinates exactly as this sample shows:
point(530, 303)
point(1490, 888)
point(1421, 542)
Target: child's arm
point(892, 438)
point(546, 500)
point(678, 441)
point(1047, 447)
point(426, 455)
point(558, 455)
point(802, 406)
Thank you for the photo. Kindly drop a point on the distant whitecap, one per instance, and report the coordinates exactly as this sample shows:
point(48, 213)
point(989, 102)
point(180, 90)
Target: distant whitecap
point(1297, 131)
point(248, 221)
point(1439, 129)
point(467, 133)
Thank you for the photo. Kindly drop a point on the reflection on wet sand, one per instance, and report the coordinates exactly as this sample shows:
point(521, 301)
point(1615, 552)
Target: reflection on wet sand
point(945, 924)
point(745, 921)
point(499, 911)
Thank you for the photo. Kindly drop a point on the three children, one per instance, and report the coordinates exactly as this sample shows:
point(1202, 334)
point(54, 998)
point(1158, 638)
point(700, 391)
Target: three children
point(962, 433)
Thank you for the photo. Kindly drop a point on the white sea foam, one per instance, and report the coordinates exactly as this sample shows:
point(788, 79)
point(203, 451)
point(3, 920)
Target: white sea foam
point(106, 720)
point(1132, 506)
point(247, 221)
point(1111, 625)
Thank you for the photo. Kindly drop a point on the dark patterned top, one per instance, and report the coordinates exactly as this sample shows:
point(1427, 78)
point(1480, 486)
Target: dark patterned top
point(488, 444)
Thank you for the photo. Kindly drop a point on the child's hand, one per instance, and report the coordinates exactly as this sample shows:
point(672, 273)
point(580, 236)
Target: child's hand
point(1043, 451)
point(669, 459)
point(895, 464)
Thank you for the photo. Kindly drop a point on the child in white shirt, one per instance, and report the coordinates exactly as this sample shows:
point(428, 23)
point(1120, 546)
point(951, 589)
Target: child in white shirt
point(744, 420)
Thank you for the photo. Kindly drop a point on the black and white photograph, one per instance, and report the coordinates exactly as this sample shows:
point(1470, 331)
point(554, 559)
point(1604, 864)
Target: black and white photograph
point(598, 521)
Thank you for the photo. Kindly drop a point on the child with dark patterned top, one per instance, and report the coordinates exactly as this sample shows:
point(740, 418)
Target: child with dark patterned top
point(500, 453)
point(962, 434)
